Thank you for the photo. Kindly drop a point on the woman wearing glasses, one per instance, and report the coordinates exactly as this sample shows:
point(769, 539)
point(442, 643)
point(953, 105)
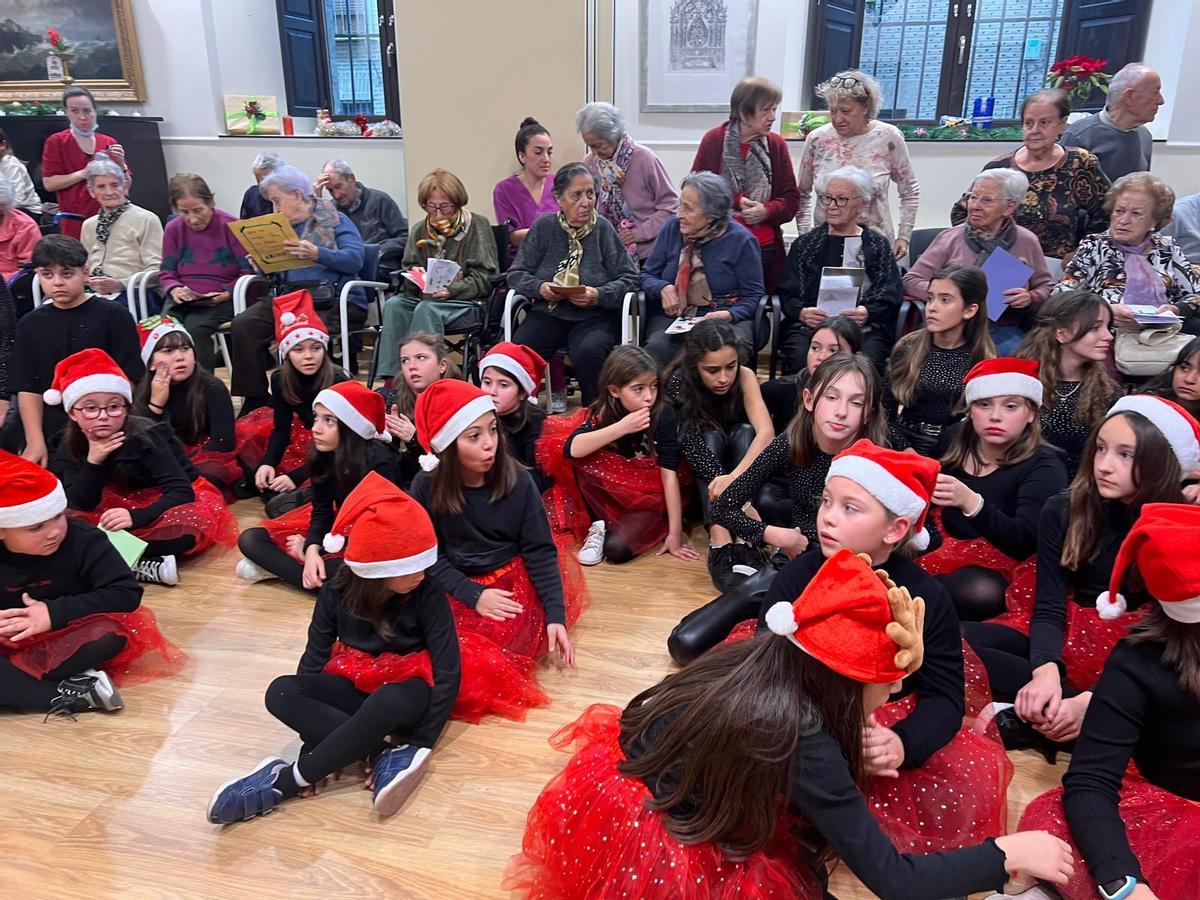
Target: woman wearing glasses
point(855, 137)
point(448, 231)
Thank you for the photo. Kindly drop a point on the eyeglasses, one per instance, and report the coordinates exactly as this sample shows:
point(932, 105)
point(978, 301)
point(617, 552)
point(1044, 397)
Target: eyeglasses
point(836, 202)
point(440, 207)
point(983, 201)
point(845, 81)
point(93, 412)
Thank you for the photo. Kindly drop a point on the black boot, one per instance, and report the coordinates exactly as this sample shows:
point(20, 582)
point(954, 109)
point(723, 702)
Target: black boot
point(1017, 734)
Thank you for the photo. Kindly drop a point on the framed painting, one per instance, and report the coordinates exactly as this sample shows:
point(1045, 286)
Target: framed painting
point(47, 44)
point(693, 52)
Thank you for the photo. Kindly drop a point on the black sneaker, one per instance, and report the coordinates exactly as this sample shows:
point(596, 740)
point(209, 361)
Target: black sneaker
point(287, 501)
point(747, 560)
point(1017, 734)
point(720, 568)
point(86, 691)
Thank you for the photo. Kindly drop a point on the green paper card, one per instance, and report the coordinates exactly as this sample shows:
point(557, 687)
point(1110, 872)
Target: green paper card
point(129, 545)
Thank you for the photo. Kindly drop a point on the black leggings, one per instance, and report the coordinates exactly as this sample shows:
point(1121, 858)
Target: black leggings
point(1005, 655)
point(22, 692)
point(338, 723)
point(704, 628)
point(256, 545)
point(173, 547)
point(978, 593)
point(774, 503)
point(729, 449)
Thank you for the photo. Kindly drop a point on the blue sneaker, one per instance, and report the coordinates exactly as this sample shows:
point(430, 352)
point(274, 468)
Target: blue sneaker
point(248, 796)
point(397, 773)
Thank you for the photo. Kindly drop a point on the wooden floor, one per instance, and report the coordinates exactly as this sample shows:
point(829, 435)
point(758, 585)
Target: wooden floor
point(113, 805)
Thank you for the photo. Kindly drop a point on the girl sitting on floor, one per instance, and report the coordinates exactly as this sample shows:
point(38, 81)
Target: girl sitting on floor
point(424, 359)
point(512, 374)
point(836, 334)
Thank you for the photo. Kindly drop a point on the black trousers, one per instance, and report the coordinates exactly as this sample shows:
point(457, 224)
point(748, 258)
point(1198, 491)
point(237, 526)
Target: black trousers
point(588, 341)
point(782, 399)
point(729, 449)
point(795, 338)
point(172, 547)
point(22, 692)
point(256, 545)
point(665, 347)
point(704, 628)
point(977, 593)
point(1005, 655)
point(338, 723)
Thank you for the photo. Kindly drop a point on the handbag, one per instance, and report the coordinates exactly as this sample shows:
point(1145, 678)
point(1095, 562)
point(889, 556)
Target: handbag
point(1148, 351)
point(324, 293)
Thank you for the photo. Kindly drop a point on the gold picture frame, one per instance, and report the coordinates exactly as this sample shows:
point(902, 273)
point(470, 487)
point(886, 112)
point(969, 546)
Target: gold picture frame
point(40, 16)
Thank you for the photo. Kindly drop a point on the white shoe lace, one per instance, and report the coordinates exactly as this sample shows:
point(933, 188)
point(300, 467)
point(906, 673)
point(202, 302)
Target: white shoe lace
point(594, 540)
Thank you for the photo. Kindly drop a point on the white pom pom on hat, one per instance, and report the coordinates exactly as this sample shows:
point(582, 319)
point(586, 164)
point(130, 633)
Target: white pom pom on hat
point(920, 540)
point(1109, 608)
point(287, 318)
point(781, 618)
point(428, 462)
point(53, 397)
point(334, 543)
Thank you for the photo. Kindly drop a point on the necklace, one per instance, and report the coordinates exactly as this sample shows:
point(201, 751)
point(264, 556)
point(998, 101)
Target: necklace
point(1071, 392)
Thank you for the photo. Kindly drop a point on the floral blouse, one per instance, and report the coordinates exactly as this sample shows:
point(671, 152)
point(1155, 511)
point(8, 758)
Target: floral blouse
point(1099, 266)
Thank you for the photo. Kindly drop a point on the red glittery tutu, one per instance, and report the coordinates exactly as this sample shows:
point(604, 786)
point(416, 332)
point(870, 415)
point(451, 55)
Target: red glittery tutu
point(222, 469)
point(253, 432)
point(147, 654)
point(589, 836)
point(1163, 831)
point(955, 553)
point(293, 522)
point(207, 518)
point(1088, 639)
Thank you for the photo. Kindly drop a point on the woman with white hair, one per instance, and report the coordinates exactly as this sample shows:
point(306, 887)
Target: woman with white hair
point(636, 193)
point(855, 137)
point(991, 225)
point(253, 202)
point(840, 240)
point(122, 239)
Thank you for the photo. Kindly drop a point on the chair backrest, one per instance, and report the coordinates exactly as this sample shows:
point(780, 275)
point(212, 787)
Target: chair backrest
point(500, 233)
point(921, 239)
point(370, 264)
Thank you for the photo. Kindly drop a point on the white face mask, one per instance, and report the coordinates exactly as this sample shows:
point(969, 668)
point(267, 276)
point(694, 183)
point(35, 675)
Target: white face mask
point(79, 131)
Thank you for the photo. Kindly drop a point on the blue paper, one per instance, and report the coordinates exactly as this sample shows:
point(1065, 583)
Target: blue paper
point(1004, 272)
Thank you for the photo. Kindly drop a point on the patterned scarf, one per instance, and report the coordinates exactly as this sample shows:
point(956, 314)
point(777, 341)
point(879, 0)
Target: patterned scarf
point(321, 226)
point(1142, 283)
point(611, 204)
point(750, 177)
point(690, 282)
point(983, 246)
point(104, 223)
point(438, 233)
point(567, 273)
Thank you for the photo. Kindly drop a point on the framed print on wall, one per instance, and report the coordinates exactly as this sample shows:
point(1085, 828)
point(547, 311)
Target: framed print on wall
point(693, 52)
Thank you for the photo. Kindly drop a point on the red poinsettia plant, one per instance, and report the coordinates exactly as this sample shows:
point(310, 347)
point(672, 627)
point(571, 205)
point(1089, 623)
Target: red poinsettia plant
point(53, 37)
point(1079, 76)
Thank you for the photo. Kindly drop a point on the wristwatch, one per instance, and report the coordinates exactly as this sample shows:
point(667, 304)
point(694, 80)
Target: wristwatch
point(1118, 888)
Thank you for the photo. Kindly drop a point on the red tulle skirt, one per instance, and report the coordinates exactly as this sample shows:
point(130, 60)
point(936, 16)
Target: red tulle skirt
point(294, 522)
point(222, 469)
point(147, 654)
point(1163, 831)
point(207, 518)
point(1088, 639)
point(253, 432)
point(589, 836)
point(955, 553)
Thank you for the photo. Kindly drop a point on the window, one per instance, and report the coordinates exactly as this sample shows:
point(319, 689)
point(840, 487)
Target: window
point(936, 57)
point(340, 55)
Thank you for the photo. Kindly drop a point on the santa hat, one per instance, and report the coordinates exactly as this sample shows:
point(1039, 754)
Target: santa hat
point(1157, 544)
point(855, 621)
point(1004, 376)
point(357, 407)
point(443, 412)
point(384, 531)
point(519, 361)
point(154, 329)
point(296, 320)
point(902, 482)
point(86, 372)
point(29, 494)
point(1177, 425)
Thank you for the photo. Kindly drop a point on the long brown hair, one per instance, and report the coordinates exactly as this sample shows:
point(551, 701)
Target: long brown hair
point(402, 393)
point(1076, 312)
point(364, 598)
point(289, 378)
point(1157, 478)
point(966, 444)
point(699, 407)
point(801, 431)
point(734, 719)
point(624, 364)
point(195, 425)
point(501, 478)
point(911, 351)
point(1181, 645)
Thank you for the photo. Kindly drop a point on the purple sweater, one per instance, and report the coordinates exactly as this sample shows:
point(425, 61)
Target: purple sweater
point(511, 200)
point(649, 195)
point(206, 261)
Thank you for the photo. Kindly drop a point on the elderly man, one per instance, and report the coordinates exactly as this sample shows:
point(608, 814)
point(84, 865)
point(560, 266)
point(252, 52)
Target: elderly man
point(377, 216)
point(1118, 134)
point(18, 233)
point(253, 202)
point(991, 204)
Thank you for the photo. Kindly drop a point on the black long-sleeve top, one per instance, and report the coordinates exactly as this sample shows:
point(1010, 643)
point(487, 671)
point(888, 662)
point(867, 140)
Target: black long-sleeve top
point(281, 423)
point(8, 333)
point(330, 491)
point(151, 457)
point(1139, 710)
point(818, 248)
point(486, 535)
point(1062, 429)
point(84, 576)
point(805, 486)
point(522, 441)
point(705, 466)
point(420, 620)
point(939, 386)
point(218, 412)
point(666, 440)
point(1013, 497)
point(939, 683)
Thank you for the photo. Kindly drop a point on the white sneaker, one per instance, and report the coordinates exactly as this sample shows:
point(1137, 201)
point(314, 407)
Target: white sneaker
point(157, 570)
point(592, 551)
point(105, 692)
point(558, 403)
point(252, 572)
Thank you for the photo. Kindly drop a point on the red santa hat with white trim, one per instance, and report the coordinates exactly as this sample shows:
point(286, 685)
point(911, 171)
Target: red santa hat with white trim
point(444, 410)
point(384, 531)
point(89, 371)
point(296, 320)
point(519, 361)
point(153, 329)
point(1004, 376)
point(902, 482)
point(29, 494)
point(1154, 545)
point(1175, 423)
point(357, 407)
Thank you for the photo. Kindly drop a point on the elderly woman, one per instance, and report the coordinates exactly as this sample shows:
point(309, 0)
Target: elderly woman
point(854, 137)
point(1066, 192)
point(576, 271)
point(636, 193)
point(253, 201)
point(840, 240)
point(18, 234)
point(329, 242)
point(756, 163)
point(1132, 263)
point(65, 156)
point(201, 262)
point(991, 207)
point(448, 231)
point(122, 239)
point(705, 265)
